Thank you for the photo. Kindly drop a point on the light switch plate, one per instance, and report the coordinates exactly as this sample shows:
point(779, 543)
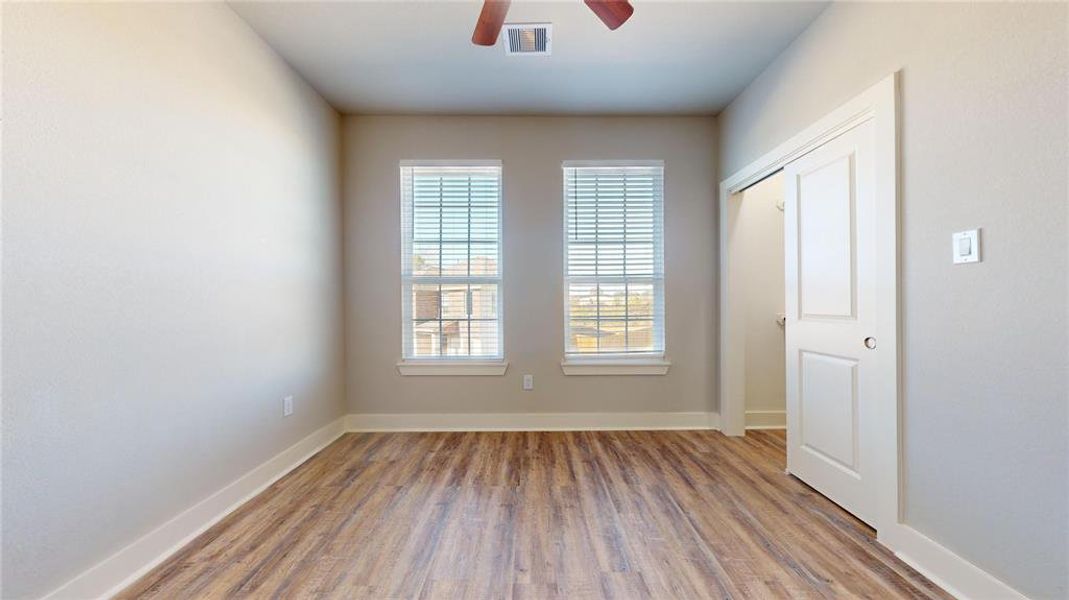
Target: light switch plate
point(966, 246)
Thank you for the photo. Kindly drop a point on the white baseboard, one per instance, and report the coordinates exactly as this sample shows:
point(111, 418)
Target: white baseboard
point(531, 421)
point(953, 573)
point(766, 419)
point(121, 569)
point(118, 571)
point(957, 576)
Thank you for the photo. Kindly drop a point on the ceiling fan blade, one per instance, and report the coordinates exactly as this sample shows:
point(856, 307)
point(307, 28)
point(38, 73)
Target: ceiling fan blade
point(490, 21)
point(611, 12)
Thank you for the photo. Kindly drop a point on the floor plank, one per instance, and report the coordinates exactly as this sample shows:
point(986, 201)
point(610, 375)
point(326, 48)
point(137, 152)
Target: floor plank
point(620, 514)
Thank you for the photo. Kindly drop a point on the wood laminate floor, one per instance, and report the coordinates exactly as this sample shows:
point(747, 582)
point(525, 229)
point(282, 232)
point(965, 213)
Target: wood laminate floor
point(629, 514)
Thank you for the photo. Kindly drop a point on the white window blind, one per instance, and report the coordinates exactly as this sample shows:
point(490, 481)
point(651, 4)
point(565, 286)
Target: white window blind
point(451, 260)
point(614, 259)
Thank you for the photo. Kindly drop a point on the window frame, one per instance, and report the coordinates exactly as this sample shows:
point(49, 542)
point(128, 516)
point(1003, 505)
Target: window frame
point(409, 364)
point(610, 363)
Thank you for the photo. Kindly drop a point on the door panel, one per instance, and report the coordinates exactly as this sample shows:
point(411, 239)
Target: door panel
point(828, 407)
point(826, 240)
point(829, 229)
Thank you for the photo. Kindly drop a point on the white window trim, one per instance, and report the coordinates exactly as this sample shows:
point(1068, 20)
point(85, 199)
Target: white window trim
point(451, 163)
point(578, 164)
point(460, 365)
point(619, 366)
point(654, 363)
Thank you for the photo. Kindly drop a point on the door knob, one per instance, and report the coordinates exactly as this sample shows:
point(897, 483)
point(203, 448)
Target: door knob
point(870, 342)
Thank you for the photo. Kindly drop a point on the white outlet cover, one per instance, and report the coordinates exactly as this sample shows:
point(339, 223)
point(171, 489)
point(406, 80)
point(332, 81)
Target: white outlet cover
point(287, 406)
point(966, 246)
point(528, 382)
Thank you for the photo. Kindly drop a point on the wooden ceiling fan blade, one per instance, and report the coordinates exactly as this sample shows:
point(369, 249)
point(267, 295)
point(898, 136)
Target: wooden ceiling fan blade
point(613, 13)
point(490, 21)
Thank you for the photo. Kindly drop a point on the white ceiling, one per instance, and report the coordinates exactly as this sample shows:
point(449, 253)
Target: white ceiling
point(417, 57)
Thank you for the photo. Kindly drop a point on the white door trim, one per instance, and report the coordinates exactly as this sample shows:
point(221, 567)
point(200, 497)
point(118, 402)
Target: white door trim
point(877, 104)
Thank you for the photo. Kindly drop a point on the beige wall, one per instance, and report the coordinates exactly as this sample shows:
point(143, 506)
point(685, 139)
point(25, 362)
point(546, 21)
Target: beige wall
point(531, 149)
point(758, 249)
point(171, 264)
point(983, 144)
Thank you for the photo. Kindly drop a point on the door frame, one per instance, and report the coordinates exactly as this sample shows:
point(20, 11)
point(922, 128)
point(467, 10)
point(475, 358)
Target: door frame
point(878, 104)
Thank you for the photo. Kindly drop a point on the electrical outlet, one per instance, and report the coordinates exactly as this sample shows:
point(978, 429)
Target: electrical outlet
point(287, 406)
point(528, 382)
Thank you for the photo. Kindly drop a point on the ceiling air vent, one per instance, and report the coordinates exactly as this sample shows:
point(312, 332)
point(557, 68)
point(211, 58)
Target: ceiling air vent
point(533, 39)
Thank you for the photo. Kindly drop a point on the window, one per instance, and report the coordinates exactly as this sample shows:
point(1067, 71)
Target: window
point(451, 261)
point(614, 260)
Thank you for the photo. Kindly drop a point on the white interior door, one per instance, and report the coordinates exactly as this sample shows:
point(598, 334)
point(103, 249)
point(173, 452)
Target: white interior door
point(831, 285)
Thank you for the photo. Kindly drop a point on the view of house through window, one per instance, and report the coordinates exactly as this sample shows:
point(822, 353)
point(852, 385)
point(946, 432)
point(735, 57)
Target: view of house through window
point(614, 259)
point(451, 263)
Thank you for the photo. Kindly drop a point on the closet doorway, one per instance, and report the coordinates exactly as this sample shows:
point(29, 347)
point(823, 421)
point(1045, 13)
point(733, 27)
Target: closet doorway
point(840, 290)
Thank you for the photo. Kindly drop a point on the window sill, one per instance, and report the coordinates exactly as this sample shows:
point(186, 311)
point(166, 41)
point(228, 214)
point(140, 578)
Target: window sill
point(452, 368)
point(646, 366)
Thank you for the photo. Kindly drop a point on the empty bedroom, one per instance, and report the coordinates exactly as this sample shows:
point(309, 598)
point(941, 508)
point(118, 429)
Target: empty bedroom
point(534, 299)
